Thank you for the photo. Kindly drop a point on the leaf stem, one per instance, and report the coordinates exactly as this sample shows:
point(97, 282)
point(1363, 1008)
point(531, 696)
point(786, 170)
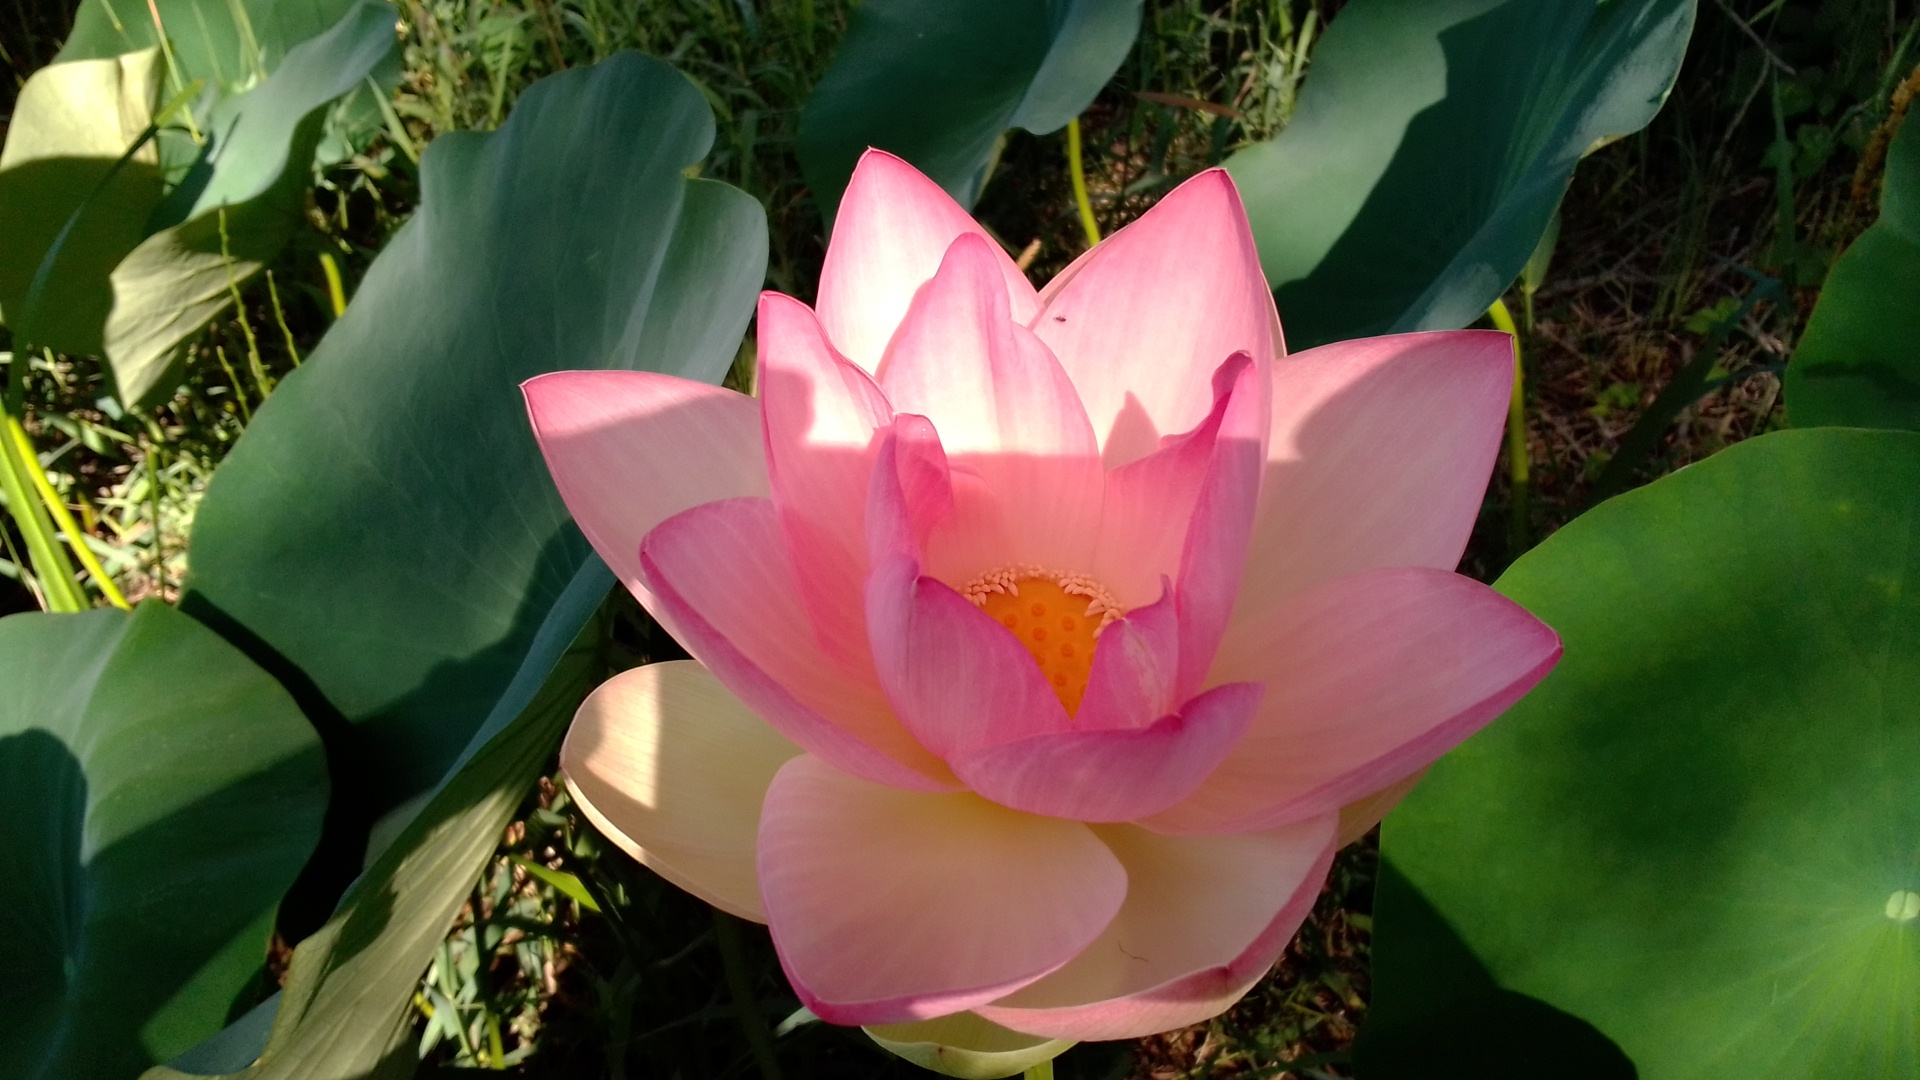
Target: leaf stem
point(58, 589)
point(150, 444)
point(1079, 174)
point(54, 574)
point(336, 292)
point(1042, 1071)
point(233, 379)
point(260, 376)
point(280, 316)
point(733, 958)
point(62, 518)
point(1519, 469)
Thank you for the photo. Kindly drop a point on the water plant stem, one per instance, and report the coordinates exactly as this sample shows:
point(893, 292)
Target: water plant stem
point(1042, 1071)
point(496, 1046)
point(733, 958)
point(1519, 469)
point(280, 316)
point(1079, 174)
point(53, 573)
point(336, 292)
point(63, 519)
point(173, 66)
point(58, 590)
point(260, 377)
point(233, 380)
point(150, 447)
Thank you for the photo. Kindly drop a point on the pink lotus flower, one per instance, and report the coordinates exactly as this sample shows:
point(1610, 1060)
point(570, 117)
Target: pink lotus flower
point(1046, 644)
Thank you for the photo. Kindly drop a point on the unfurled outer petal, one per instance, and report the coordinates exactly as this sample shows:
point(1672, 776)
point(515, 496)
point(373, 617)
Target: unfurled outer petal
point(1113, 775)
point(888, 906)
point(1369, 679)
point(821, 415)
point(1380, 454)
point(1205, 918)
point(1002, 405)
point(1144, 318)
point(617, 443)
point(893, 228)
point(967, 1045)
point(673, 768)
point(721, 574)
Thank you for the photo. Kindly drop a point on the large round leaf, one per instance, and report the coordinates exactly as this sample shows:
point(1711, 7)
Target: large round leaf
point(344, 1011)
point(231, 44)
point(160, 792)
point(1433, 141)
point(386, 532)
point(938, 83)
point(1858, 364)
point(1701, 833)
point(255, 173)
point(139, 272)
point(62, 172)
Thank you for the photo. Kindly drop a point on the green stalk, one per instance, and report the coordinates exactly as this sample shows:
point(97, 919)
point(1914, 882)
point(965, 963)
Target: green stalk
point(1518, 468)
point(336, 292)
point(496, 1046)
point(233, 379)
point(58, 588)
point(1042, 1071)
point(396, 130)
point(151, 446)
point(27, 580)
point(733, 958)
point(173, 66)
point(63, 519)
point(260, 376)
point(1784, 247)
point(1079, 174)
point(280, 316)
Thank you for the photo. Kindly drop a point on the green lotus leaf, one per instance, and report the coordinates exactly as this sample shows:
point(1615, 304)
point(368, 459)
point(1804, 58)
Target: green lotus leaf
point(1431, 145)
point(938, 83)
point(344, 1011)
point(386, 533)
point(1699, 839)
point(72, 125)
point(142, 268)
point(1858, 363)
point(230, 44)
point(255, 172)
point(162, 793)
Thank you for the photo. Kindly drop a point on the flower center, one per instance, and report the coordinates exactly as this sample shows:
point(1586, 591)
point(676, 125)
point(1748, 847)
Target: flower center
point(1057, 617)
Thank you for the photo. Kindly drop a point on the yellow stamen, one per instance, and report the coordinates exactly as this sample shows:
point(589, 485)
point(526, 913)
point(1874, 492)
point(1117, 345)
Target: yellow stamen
point(1057, 617)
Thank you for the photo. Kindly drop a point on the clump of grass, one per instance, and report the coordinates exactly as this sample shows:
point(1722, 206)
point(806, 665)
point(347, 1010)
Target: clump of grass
point(466, 61)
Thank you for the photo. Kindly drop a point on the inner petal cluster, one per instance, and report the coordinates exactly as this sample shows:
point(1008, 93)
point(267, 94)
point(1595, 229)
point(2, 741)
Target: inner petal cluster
point(1056, 617)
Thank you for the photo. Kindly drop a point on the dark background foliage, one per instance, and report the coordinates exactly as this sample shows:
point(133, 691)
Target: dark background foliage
point(1707, 235)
